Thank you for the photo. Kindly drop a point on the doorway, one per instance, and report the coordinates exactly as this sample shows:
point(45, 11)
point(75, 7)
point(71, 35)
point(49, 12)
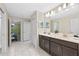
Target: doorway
point(15, 32)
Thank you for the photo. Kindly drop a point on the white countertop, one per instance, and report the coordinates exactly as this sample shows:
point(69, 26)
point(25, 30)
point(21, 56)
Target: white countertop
point(61, 36)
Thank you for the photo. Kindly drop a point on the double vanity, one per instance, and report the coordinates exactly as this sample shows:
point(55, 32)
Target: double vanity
point(58, 35)
point(59, 44)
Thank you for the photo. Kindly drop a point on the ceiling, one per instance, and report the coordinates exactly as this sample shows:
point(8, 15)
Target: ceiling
point(24, 10)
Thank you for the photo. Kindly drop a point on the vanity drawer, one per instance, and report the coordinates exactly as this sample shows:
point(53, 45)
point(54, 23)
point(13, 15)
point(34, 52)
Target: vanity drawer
point(65, 43)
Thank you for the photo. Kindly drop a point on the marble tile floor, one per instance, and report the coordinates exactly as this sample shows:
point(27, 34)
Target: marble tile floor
point(24, 49)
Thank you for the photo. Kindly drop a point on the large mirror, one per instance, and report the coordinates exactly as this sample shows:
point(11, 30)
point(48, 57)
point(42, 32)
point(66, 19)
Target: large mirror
point(54, 26)
point(60, 25)
point(66, 21)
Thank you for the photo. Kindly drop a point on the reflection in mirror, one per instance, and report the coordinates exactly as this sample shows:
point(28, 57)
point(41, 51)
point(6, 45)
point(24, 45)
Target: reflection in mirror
point(75, 26)
point(44, 24)
point(60, 26)
point(41, 24)
point(66, 26)
point(54, 26)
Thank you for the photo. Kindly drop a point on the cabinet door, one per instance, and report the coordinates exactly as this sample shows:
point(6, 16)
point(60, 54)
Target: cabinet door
point(41, 42)
point(46, 45)
point(78, 49)
point(55, 49)
point(69, 51)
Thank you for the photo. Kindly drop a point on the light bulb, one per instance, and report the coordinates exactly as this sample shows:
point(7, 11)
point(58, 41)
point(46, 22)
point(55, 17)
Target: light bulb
point(59, 9)
point(52, 12)
point(47, 15)
point(64, 6)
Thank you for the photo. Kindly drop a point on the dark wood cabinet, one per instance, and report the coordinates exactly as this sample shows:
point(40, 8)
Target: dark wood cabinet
point(46, 45)
point(55, 49)
point(65, 43)
point(41, 42)
point(69, 51)
point(78, 49)
point(58, 47)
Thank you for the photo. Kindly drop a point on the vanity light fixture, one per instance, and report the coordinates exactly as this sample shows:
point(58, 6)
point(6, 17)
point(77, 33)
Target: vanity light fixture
point(52, 12)
point(64, 5)
point(59, 9)
point(47, 14)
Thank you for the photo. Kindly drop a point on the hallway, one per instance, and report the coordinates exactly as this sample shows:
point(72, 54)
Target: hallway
point(24, 49)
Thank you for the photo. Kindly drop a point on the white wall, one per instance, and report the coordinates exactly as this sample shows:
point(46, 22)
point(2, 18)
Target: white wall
point(36, 18)
point(4, 29)
point(34, 35)
point(15, 19)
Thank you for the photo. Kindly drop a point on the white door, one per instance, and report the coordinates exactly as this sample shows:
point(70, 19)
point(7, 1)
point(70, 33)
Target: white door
point(26, 31)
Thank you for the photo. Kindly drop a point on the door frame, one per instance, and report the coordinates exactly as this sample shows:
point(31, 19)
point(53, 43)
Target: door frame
point(10, 42)
point(9, 33)
point(21, 23)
